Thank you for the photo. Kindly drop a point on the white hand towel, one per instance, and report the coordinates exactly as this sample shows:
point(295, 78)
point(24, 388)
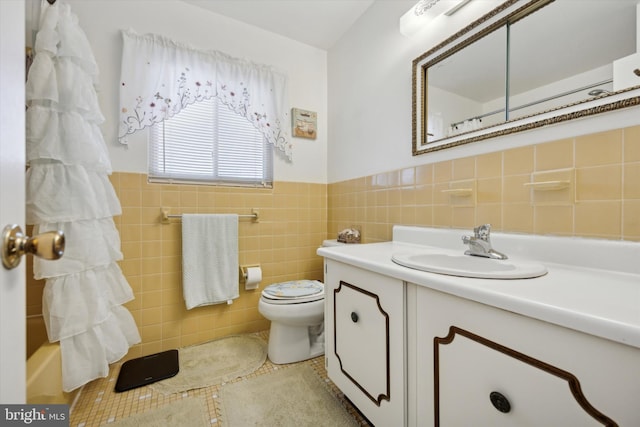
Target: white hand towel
point(209, 259)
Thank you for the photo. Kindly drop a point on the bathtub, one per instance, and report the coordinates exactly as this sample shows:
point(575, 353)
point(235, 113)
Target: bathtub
point(44, 367)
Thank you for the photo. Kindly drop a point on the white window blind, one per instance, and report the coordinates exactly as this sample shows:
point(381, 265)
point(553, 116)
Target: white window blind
point(208, 143)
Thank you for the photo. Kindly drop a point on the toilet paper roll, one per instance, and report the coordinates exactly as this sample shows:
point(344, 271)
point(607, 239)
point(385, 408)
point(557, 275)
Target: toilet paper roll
point(252, 278)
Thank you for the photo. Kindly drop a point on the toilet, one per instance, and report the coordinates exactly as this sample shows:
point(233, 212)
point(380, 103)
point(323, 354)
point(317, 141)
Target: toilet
point(296, 312)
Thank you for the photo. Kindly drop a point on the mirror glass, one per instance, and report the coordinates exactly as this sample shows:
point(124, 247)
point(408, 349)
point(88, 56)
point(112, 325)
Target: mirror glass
point(523, 61)
point(569, 59)
point(455, 94)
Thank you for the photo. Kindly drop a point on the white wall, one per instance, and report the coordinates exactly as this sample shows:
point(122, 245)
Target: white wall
point(370, 96)
point(306, 67)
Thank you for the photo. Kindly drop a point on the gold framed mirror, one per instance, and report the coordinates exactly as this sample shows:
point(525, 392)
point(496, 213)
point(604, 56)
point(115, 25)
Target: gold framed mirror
point(524, 65)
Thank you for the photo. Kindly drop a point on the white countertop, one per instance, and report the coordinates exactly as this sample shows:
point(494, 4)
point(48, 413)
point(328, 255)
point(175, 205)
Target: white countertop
point(592, 286)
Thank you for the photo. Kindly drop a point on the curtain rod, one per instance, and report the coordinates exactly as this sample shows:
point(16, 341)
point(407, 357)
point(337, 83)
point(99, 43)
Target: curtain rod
point(166, 216)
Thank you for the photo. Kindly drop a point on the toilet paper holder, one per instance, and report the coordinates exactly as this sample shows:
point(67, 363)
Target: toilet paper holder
point(252, 275)
point(245, 268)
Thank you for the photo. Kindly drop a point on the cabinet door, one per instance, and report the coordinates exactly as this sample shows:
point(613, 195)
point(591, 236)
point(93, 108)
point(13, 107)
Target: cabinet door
point(548, 375)
point(365, 341)
point(481, 380)
point(361, 340)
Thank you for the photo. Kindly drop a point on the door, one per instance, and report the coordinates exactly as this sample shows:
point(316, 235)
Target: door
point(12, 198)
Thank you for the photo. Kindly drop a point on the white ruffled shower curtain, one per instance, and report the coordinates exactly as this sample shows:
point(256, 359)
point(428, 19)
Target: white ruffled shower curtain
point(160, 77)
point(68, 189)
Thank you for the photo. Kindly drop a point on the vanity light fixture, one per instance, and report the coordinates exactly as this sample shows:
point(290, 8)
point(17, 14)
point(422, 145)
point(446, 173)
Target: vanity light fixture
point(426, 10)
point(424, 5)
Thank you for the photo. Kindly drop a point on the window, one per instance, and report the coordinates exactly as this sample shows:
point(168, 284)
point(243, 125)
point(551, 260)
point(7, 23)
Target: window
point(208, 143)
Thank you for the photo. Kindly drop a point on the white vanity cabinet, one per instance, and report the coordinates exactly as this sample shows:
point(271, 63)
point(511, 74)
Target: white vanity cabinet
point(364, 330)
point(414, 348)
point(479, 365)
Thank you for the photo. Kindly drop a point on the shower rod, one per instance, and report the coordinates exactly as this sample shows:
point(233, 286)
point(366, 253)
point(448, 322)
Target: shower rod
point(539, 101)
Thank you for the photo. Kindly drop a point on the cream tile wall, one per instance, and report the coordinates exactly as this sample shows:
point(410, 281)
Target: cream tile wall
point(292, 225)
point(599, 198)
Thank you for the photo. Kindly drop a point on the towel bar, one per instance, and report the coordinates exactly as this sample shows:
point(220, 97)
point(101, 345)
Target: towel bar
point(166, 216)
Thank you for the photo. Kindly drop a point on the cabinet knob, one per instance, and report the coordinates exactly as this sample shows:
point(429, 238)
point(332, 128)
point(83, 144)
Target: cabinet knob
point(500, 402)
point(354, 317)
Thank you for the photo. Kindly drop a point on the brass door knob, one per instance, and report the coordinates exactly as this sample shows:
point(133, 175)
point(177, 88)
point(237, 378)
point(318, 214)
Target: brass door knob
point(49, 245)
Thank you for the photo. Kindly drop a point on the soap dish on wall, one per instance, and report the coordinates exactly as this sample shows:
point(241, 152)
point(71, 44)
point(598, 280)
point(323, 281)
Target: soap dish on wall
point(548, 185)
point(459, 192)
point(555, 187)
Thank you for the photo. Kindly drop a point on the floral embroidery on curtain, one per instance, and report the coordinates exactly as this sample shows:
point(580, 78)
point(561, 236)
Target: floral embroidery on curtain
point(160, 77)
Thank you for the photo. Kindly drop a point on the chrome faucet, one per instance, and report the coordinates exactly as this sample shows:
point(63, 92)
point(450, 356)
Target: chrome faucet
point(480, 243)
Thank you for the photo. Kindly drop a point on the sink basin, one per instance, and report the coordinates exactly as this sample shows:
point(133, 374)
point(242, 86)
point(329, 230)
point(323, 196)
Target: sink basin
point(469, 266)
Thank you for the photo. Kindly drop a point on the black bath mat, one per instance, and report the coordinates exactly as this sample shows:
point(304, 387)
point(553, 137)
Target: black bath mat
point(146, 370)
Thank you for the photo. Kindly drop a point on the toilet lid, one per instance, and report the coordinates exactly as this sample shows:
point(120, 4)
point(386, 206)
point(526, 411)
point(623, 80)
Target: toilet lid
point(295, 290)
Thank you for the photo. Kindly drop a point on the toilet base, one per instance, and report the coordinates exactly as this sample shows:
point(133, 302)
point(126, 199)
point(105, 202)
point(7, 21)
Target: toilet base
point(289, 344)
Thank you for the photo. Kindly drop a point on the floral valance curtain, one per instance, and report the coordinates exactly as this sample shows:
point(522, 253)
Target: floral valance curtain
point(160, 77)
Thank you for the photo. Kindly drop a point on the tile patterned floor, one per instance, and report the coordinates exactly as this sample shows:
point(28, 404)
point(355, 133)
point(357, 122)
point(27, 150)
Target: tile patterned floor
point(98, 404)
